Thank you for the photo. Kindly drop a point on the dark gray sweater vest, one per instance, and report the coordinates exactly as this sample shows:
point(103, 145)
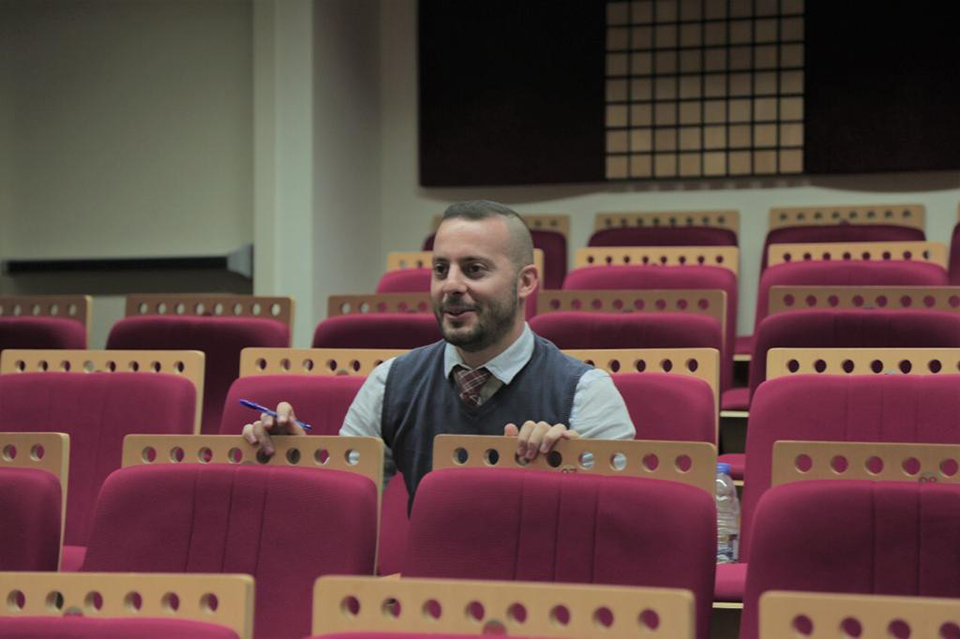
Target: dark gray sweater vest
point(419, 402)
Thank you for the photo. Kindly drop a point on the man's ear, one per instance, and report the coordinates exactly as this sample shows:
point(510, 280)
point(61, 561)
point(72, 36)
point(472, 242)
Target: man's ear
point(527, 281)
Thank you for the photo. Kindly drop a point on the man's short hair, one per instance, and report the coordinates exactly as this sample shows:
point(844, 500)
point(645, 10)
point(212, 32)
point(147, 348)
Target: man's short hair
point(521, 243)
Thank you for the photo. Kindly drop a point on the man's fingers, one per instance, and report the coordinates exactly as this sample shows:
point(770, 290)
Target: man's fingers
point(511, 430)
point(571, 434)
point(552, 436)
point(537, 433)
point(248, 434)
point(287, 421)
point(523, 436)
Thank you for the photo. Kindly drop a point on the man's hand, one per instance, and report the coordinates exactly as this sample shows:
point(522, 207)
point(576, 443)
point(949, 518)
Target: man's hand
point(258, 433)
point(538, 437)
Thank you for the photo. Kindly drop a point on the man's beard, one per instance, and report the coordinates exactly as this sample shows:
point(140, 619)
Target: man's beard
point(494, 320)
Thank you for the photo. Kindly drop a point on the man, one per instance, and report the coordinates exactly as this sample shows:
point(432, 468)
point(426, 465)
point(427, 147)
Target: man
point(490, 375)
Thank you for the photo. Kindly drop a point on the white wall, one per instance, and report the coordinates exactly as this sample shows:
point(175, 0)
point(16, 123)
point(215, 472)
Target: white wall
point(132, 127)
point(407, 208)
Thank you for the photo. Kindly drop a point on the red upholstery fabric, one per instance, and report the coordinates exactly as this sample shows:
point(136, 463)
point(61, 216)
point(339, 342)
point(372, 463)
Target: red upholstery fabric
point(30, 512)
point(843, 273)
point(669, 407)
point(737, 463)
point(744, 345)
point(735, 399)
point(545, 526)
point(674, 277)
point(377, 330)
point(400, 635)
point(221, 338)
point(830, 233)
point(41, 332)
point(71, 559)
point(954, 265)
point(322, 401)
point(870, 408)
point(319, 400)
point(582, 329)
point(285, 526)
point(96, 410)
point(663, 236)
point(411, 280)
point(731, 581)
point(887, 538)
point(554, 247)
point(79, 627)
point(851, 328)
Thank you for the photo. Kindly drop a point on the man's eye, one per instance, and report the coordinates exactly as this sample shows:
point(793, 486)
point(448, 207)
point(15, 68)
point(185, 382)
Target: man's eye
point(475, 269)
point(440, 269)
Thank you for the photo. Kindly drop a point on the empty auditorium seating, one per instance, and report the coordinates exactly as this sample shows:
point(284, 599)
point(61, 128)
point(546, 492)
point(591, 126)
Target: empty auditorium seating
point(845, 224)
point(570, 526)
point(320, 384)
point(666, 228)
point(353, 607)
point(665, 268)
point(879, 532)
point(44, 321)
point(218, 325)
point(52, 391)
point(550, 234)
point(33, 487)
point(872, 404)
point(380, 321)
point(111, 606)
point(783, 613)
point(308, 511)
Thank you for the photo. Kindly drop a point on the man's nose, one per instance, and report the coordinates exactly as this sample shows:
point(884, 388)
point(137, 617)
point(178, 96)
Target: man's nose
point(454, 282)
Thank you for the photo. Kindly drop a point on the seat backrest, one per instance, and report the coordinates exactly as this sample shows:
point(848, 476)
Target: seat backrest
point(44, 321)
point(561, 527)
point(285, 526)
point(219, 336)
point(669, 407)
point(851, 329)
point(659, 277)
point(894, 538)
point(115, 606)
point(846, 273)
point(377, 330)
point(97, 410)
point(954, 267)
point(666, 228)
point(866, 408)
point(833, 233)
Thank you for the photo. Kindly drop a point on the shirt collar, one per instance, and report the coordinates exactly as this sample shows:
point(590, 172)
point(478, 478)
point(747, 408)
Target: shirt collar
point(504, 366)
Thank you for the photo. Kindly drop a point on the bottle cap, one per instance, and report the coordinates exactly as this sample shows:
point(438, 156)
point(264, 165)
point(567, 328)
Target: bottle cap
point(723, 468)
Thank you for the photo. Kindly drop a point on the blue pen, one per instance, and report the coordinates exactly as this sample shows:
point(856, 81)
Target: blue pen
point(271, 413)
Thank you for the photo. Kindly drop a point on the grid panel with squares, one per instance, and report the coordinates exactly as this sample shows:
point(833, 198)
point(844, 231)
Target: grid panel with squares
point(704, 88)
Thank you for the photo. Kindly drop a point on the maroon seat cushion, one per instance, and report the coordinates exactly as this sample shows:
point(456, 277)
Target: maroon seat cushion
point(669, 407)
point(285, 526)
point(851, 329)
point(30, 507)
point(744, 345)
point(884, 538)
point(554, 247)
point(319, 400)
point(220, 338)
point(831, 233)
point(845, 273)
point(868, 408)
point(583, 329)
point(97, 410)
point(377, 330)
point(41, 332)
point(559, 527)
point(663, 236)
point(411, 280)
point(80, 627)
point(672, 277)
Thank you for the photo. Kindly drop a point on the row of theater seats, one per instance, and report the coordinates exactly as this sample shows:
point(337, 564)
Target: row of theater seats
point(878, 396)
point(220, 607)
point(615, 513)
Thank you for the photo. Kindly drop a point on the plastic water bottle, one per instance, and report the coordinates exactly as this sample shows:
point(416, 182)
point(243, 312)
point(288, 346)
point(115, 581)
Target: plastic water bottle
point(728, 517)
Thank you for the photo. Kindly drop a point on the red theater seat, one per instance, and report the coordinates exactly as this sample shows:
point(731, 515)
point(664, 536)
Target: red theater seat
point(411, 280)
point(888, 538)
point(220, 338)
point(664, 236)
point(557, 527)
point(377, 330)
point(81, 627)
point(669, 407)
point(30, 532)
point(285, 526)
point(836, 233)
point(660, 277)
point(96, 410)
point(41, 332)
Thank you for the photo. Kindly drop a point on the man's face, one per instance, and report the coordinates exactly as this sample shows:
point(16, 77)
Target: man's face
point(474, 283)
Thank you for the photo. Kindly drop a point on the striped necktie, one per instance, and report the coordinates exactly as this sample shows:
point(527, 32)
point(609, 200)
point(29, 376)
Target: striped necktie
point(470, 382)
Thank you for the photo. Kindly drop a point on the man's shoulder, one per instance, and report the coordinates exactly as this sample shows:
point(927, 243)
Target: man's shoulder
point(418, 356)
point(550, 350)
